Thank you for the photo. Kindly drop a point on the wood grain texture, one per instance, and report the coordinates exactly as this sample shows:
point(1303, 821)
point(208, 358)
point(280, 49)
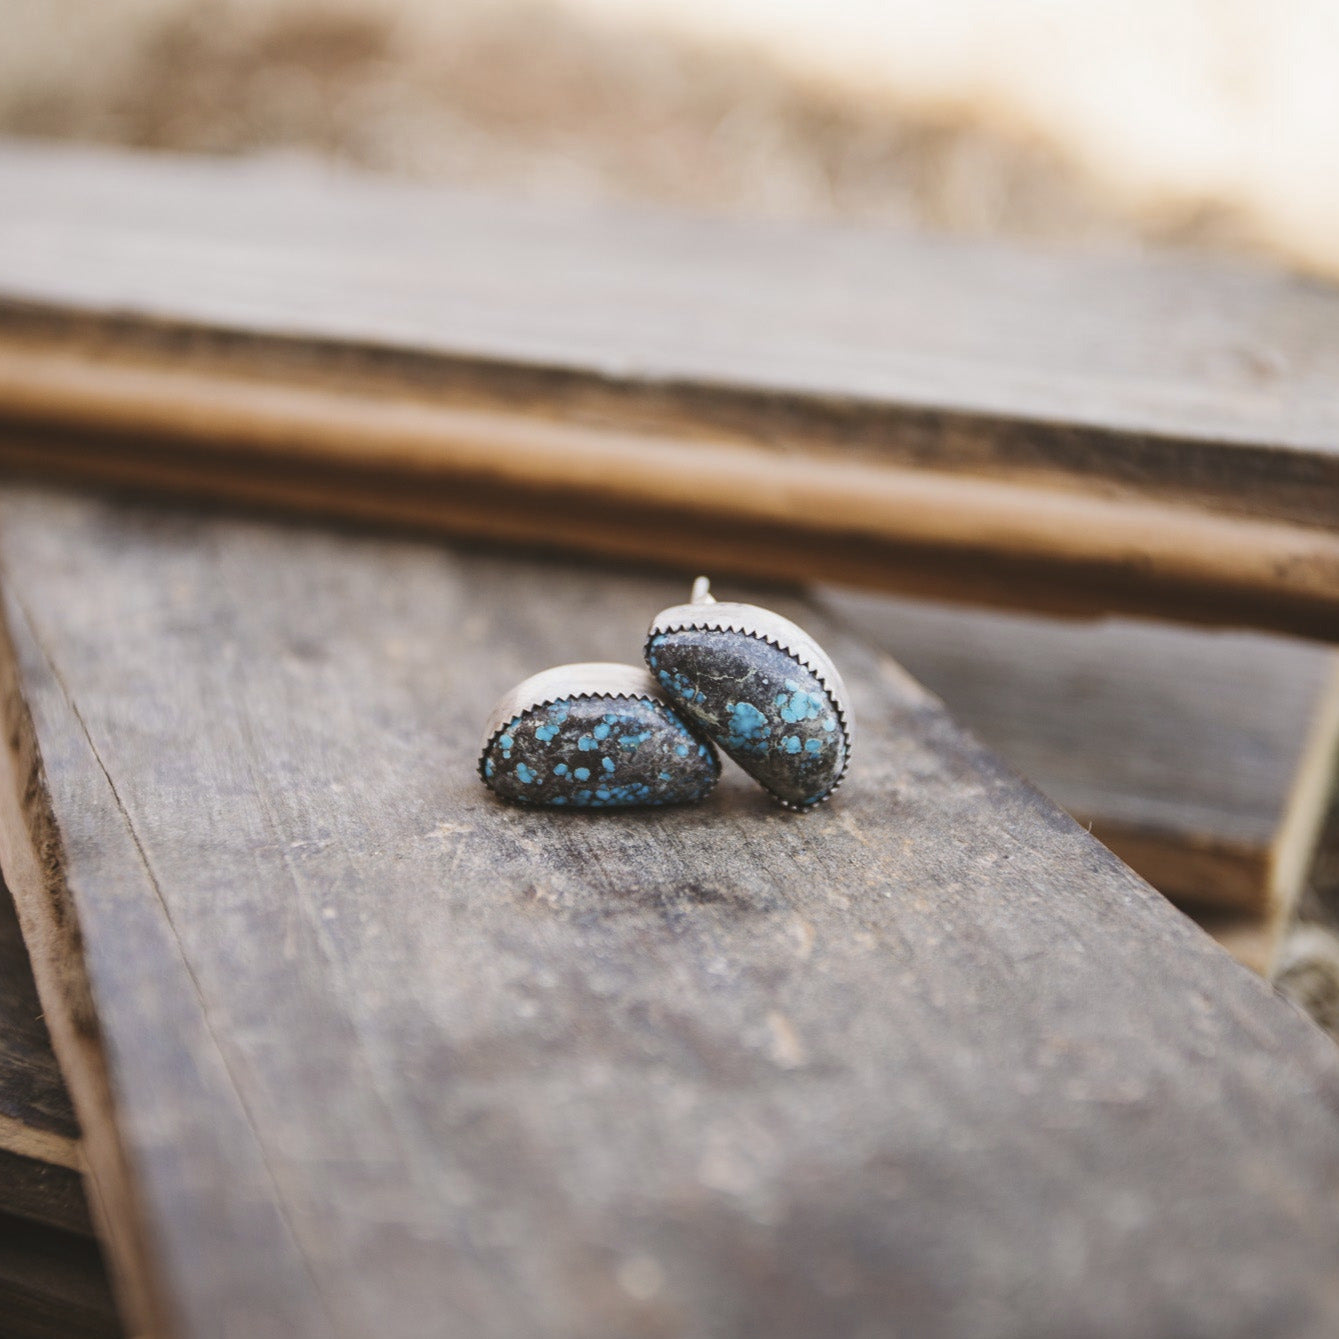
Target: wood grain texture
point(39, 1138)
point(53, 1284)
point(359, 1049)
point(1306, 969)
point(1068, 432)
point(1203, 759)
point(31, 1093)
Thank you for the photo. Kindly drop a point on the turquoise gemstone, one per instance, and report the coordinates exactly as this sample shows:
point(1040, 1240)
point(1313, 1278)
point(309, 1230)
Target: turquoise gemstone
point(599, 753)
point(770, 713)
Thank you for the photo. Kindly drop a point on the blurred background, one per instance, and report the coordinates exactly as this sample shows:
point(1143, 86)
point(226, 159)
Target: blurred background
point(1212, 123)
point(1205, 126)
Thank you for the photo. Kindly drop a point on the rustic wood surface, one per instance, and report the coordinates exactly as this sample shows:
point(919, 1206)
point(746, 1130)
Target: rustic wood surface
point(358, 1049)
point(53, 1284)
point(39, 1137)
point(1306, 969)
point(52, 1280)
point(1056, 430)
point(1203, 759)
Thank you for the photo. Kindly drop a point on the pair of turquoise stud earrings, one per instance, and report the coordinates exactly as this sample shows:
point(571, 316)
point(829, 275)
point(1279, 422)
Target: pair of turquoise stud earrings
point(733, 676)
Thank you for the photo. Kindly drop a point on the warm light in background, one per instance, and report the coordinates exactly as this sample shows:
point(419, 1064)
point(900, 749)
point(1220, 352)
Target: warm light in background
point(1184, 119)
point(1163, 103)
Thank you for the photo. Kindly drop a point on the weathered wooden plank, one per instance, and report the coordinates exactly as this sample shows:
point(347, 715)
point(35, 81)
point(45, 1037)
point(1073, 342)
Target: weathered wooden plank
point(1307, 965)
point(358, 1049)
point(1061, 431)
point(52, 1280)
point(39, 1137)
point(1203, 759)
point(31, 1094)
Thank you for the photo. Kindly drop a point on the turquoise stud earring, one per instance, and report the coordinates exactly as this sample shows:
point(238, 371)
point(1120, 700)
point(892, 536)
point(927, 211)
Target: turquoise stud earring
point(594, 736)
point(760, 688)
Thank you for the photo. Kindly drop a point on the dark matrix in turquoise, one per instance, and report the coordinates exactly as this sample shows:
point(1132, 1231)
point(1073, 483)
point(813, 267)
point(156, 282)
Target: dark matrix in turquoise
point(599, 753)
point(759, 704)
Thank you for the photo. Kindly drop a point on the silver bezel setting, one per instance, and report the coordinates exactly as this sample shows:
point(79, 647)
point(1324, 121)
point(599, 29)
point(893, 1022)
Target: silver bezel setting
point(753, 620)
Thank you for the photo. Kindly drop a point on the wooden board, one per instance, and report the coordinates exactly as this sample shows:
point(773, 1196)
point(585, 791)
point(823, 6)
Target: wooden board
point(358, 1049)
point(52, 1280)
point(39, 1137)
point(1203, 759)
point(1062, 431)
point(1307, 964)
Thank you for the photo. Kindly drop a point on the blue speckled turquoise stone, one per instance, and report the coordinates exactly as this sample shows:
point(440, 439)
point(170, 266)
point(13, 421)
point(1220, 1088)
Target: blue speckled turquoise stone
point(758, 704)
point(599, 753)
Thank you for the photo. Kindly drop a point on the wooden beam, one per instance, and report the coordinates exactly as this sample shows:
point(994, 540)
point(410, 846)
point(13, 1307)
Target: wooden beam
point(53, 1284)
point(1064, 432)
point(359, 1049)
point(40, 1163)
